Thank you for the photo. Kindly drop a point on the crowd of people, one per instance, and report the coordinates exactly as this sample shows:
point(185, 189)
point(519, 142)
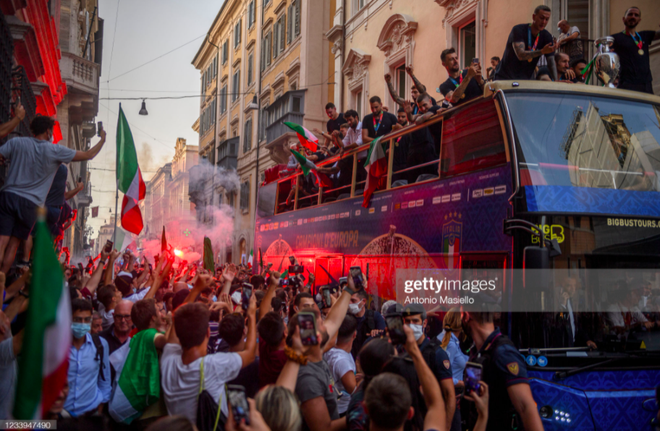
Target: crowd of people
point(531, 53)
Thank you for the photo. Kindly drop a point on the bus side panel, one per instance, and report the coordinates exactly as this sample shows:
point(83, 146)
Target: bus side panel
point(422, 226)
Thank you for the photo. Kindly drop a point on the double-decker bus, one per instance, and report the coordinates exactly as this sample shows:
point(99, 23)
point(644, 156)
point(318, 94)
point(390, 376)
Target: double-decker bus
point(555, 178)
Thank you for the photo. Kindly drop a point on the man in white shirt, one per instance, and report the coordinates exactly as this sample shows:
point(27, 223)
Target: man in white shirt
point(624, 315)
point(186, 353)
point(352, 139)
point(341, 363)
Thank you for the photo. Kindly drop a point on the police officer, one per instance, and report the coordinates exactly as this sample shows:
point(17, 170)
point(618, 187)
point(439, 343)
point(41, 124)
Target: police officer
point(505, 373)
point(414, 315)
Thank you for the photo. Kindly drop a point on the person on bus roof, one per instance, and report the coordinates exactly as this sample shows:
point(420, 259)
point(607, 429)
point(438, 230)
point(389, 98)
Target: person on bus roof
point(462, 85)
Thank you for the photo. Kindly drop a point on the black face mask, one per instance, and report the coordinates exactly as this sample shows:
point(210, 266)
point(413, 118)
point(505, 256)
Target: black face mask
point(465, 342)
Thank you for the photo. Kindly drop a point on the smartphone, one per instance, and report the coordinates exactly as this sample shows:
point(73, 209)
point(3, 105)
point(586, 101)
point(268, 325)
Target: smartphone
point(239, 405)
point(246, 295)
point(325, 293)
point(292, 259)
point(307, 323)
point(473, 372)
point(108, 246)
point(475, 61)
point(82, 269)
point(99, 127)
point(358, 278)
point(343, 280)
point(395, 329)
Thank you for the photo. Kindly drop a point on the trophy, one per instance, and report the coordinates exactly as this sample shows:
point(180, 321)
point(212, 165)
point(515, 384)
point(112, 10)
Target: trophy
point(607, 63)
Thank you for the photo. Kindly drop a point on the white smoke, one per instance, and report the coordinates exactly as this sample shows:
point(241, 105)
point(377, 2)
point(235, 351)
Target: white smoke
point(184, 231)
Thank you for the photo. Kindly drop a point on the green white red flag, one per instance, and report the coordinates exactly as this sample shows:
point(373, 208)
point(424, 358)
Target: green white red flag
point(44, 359)
point(306, 138)
point(376, 167)
point(129, 177)
point(307, 166)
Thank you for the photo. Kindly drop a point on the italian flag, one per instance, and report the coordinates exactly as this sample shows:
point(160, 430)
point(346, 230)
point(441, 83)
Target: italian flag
point(307, 166)
point(376, 167)
point(306, 138)
point(251, 258)
point(138, 383)
point(129, 177)
point(44, 360)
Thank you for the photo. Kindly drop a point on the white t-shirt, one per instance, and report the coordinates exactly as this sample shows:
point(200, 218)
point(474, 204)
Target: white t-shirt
point(340, 362)
point(180, 382)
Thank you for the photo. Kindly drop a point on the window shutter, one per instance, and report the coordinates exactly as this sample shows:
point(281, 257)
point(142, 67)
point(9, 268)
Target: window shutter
point(250, 66)
point(282, 32)
point(288, 24)
point(275, 34)
point(297, 16)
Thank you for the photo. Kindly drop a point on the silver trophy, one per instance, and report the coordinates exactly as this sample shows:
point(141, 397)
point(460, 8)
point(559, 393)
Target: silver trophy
point(607, 63)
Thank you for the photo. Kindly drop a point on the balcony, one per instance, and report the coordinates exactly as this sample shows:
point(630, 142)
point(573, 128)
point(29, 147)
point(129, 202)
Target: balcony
point(228, 153)
point(82, 80)
point(289, 107)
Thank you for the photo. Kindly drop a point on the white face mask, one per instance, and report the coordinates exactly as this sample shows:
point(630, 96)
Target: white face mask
point(418, 330)
point(236, 297)
point(354, 308)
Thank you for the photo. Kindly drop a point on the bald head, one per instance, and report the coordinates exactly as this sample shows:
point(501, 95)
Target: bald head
point(563, 26)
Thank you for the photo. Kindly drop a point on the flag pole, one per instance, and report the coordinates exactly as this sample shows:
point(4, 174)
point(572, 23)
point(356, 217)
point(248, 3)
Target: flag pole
point(114, 230)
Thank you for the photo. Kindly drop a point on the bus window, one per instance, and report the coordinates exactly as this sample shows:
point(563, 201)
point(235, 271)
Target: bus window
point(472, 140)
point(284, 204)
point(266, 207)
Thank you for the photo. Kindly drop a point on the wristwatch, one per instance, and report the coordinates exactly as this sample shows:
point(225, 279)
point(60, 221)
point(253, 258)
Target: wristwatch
point(349, 290)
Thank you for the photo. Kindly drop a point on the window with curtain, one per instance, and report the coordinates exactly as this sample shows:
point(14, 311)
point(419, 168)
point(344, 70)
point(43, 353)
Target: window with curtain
point(250, 68)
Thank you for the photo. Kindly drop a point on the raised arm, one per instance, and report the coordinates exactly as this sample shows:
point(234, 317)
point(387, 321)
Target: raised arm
point(68, 195)
point(420, 87)
point(397, 99)
point(435, 416)
point(248, 354)
point(92, 152)
point(273, 284)
point(228, 275)
point(9, 126)
point(17, 285)
point(339, 309)
point(93, 282)
point(460, 91)
point(110, 268)
point(158, 280)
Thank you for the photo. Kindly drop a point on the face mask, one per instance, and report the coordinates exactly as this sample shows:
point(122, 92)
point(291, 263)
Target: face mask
point(418, 330)
point(190, 286)
point(215, 298)
point(236, 297)
point(354, 308)
point(80, 329)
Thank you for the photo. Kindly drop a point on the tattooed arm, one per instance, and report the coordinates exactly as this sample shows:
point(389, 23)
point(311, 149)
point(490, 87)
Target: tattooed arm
point(397, 99)
point(519, 48)
point(420, 87)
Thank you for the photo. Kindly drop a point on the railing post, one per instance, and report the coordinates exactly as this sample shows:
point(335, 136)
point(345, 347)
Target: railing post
point(297, 184)
point(354, 176)
point(390, 163)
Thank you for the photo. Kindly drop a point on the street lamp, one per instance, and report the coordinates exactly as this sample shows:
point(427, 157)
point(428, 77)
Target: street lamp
point(143, 110)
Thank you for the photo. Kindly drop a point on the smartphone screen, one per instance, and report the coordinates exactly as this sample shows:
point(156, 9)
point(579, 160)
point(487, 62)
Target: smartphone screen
point(239, 405)
point(475, 60)
point(356, 273)
point(108, 246)
point(343, 280)
point(327, 300)
point(395, 329)
point(473, 373)
point(246, 295)
point(307, 322)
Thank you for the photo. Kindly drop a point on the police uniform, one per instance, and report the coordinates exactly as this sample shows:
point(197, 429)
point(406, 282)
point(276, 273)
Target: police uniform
point(503, 367)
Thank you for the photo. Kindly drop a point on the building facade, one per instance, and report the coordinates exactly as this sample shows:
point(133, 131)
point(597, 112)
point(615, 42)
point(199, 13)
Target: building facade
point(51, 60)
point(274, 65)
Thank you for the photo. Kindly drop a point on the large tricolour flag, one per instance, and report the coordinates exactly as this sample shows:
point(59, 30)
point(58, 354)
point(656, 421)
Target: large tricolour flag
point(322, 180)
point(306, 138)
point(44, 359)
point(376, 167)
point(129, 177)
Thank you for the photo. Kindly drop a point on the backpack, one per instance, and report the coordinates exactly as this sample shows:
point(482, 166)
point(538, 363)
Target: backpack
point(209, 413)
point(429, 354)
point(99, 354)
